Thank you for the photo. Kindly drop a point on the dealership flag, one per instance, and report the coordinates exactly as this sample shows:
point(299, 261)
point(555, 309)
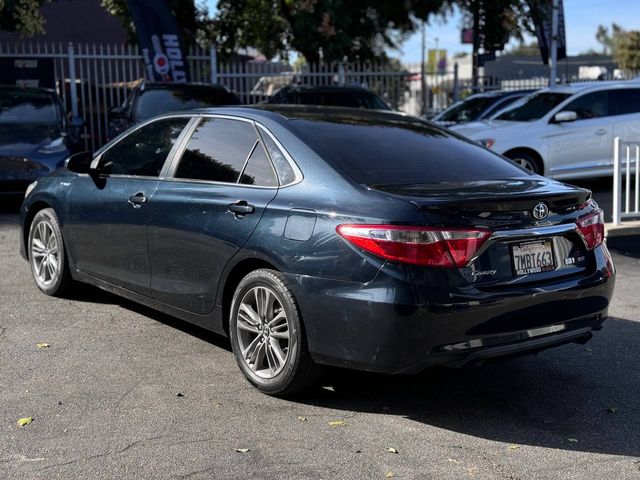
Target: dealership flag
point(159, 41)
point(543, 31)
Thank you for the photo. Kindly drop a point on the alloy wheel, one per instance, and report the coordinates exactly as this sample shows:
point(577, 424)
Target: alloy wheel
point(45, 256)
point(263, 332)
point(525, 163)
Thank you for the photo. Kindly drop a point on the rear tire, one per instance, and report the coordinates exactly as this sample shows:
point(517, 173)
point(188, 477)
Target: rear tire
point(47, 255)
point(527, 161)
point(268, 337)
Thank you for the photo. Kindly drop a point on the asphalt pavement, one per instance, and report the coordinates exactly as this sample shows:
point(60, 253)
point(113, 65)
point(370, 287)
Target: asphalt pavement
point(125, 392)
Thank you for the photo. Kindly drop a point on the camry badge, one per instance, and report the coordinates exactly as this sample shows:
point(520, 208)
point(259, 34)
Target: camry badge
point(540, 211)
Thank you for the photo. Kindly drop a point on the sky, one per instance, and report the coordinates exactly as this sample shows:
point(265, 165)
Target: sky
point(582, 18)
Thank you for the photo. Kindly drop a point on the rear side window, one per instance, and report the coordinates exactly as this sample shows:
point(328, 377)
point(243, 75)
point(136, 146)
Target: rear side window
point(144, 151)
point(284, 170)
point(405, 153)
point(625, 101)
point(259, 171)
point(217, 151)
point(591, 105)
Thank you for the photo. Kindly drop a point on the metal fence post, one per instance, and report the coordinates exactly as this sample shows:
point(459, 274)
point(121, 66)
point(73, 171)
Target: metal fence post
point(72, 80)
point(617, 180)
point(341, 74)
point(456, 85)
point(213, 58)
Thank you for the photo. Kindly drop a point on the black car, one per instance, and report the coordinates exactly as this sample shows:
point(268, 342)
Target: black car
point(150, 99)
point(479, 106)
point(318, 237)
point(34, 136)
point(334, 96)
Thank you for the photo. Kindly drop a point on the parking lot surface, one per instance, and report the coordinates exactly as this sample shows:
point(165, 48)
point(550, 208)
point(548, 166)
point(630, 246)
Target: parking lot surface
point(125, 392)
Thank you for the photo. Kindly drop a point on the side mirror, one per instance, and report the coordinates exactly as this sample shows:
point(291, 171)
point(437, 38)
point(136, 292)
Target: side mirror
point(80, 162)
point(566, 116)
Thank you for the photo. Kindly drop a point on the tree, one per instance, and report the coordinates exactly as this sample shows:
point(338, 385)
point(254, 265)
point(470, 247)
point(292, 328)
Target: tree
point(185, 12)
point(608, 39)
point(328, 30)
point(626, 51)
point(21, 16)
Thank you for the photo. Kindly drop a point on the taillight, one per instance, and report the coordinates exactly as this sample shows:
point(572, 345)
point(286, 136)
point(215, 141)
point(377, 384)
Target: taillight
point(435, 247)
point(591, 227)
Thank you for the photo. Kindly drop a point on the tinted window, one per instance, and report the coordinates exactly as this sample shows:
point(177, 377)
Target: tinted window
point(404, 153)
point(336, 99)
point(285, 172)
point(259, 171)
point(467, 110)
point(19, 106)
point(157, 101)
point(625, 101)
point(533, 107)
point(144, 151)
point(500, 105)
point(377, 103)
point(217, 151)
point(591, 105)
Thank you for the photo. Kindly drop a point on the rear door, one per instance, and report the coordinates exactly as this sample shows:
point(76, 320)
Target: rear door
point(626, 123)
point(204, 213)
point(584, 144)
point(107, 222)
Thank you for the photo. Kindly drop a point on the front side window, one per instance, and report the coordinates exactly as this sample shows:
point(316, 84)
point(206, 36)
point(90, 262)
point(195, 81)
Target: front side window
point(217, 151)
point(144, 151)
point(533, 107)
point(591, 105)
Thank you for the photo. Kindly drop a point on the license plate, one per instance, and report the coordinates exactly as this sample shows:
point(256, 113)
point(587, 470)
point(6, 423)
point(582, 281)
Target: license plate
point(532, 257)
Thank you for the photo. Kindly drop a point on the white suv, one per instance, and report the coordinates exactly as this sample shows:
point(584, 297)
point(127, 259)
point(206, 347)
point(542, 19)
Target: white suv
point(566, 131)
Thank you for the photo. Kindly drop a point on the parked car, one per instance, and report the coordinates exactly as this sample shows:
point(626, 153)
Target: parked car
point(150, 99)
point(317, 237)
point(566, 131)
point(35, 137)
point(335, 96)
point(478, 107)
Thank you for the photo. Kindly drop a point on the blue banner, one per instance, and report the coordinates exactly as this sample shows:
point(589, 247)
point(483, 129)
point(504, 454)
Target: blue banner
point(159, 41)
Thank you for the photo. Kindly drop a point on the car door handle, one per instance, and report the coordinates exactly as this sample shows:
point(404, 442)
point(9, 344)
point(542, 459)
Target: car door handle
point(601, 132)
point(241, 208)
point(137, 200)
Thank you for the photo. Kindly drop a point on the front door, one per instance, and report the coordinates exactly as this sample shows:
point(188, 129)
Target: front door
point(108, 214)
point(203, 215)
point(584, 144)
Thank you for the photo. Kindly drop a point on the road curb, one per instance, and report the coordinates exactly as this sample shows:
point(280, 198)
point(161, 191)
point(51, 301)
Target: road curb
point(624, 237)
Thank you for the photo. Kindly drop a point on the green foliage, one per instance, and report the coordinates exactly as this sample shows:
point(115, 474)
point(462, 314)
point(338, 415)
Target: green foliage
point(22, 16)
point(608, 38)
point(327, 29)
point(627, 50)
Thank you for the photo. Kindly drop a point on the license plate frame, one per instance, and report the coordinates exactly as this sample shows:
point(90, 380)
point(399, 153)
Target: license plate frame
point(542, 251)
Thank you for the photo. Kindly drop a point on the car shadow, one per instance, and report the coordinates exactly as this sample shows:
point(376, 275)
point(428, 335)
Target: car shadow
point(574, 397)
point(581, 398)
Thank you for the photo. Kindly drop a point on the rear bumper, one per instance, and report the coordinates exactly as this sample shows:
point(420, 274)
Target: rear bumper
point(392, 325)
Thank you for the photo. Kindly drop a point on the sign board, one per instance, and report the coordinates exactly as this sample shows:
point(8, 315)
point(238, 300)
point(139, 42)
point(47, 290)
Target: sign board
point(27, 72)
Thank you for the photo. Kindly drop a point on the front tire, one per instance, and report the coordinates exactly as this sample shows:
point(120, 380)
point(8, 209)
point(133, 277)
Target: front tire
point(267, 335)
point(47, 255)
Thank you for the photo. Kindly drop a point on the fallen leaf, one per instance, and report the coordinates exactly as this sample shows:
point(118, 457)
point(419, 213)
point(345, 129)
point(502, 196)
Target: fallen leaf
point(392, 450)
point(24, 421)
point(572, 440)
point(42, 345)
point(302, 419)
point(451, 460)
point(514, 447)
point(336, 423)
point(242, 450)
point(611, 409)
point(179, 394)
point(389, 474)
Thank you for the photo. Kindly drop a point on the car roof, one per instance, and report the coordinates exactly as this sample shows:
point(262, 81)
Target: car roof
point(326, 88)
point(502, 93)
point(178, 86)
point(573, 88)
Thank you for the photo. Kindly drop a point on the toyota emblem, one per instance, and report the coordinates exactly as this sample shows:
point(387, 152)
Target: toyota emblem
point(540, 211)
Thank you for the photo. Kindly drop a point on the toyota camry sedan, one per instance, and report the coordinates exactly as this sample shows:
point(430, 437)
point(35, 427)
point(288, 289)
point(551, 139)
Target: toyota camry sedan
point(315, 237)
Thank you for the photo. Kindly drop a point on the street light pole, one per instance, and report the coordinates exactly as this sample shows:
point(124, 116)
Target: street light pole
point(553, 73)
point(423, 80)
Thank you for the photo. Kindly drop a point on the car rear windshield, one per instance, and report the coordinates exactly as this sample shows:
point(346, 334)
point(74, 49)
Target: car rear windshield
point(533, 107)
point(158, 101)
point(399, 153)
point(17, 107)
